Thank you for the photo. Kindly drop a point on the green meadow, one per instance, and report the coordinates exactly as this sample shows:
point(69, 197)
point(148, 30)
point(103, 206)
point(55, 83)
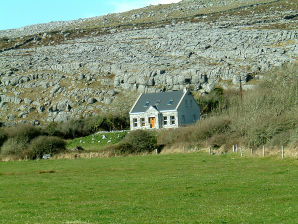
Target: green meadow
point(96, 141)
point(173, 188)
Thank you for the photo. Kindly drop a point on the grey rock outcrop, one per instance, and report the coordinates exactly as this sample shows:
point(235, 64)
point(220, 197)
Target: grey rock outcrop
point(84, 75)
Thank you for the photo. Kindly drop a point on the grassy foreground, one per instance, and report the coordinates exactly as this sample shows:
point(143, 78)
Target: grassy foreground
point(176, 188)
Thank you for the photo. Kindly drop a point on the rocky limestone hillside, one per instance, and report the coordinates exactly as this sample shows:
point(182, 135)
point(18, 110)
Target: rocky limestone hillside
point(63, 70)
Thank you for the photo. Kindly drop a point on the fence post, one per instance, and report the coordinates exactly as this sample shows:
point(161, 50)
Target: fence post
point(251, 151)
point(241, 153)
point(282, 152)
point(263, 150)
point(233, 148)
point(210, 150)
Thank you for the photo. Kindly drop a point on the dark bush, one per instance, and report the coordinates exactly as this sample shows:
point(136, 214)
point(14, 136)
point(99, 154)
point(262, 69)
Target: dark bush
point(122, 148)
point(3, 137)
point(141, 140)
point(24, 133)
point(45, 145)
point(135, 142)
point(18, 139)
point(53, 130)
point(13, 146)
point(86, 126)
point(213, 101)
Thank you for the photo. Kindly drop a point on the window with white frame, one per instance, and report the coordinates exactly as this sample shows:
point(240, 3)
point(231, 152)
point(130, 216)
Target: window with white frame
point(142, 122)
point(172, 118)
point(135, 122)
point(165, 120)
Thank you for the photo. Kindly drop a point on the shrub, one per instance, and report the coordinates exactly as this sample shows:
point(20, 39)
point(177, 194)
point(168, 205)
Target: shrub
point(171, 136)
point(216, 100)
point(18, 139)
point(211, 126)
point(13, 146)
point(3, 137)
point(53, 130)
point(141, 140)
point(86, 126)
point(45, 145)
point(122, 148)
point(24, 133)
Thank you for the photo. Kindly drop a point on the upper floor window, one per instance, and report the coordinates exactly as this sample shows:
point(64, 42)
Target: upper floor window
point(172, 120)
point(135, 122)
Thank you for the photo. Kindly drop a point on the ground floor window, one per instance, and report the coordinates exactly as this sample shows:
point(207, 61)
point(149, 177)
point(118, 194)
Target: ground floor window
point(135, 122)
point(172, 120)
point(165, 120)
point(142, 122)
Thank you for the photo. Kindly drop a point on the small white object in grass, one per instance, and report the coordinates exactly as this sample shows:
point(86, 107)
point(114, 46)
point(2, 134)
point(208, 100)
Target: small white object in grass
point(81, 141)
point(98, 141)
point(104, 137)
point(109, 141)
point(46, 156)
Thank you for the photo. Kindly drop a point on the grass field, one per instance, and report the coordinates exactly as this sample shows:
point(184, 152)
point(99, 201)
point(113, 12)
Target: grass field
point(175, 188)
point(96, 141)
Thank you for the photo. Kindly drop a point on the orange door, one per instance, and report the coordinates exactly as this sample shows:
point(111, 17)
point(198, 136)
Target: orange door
point(152, 122)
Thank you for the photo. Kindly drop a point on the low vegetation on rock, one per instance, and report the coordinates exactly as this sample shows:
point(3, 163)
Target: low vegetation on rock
point(266, 115)
point(66, 70)
point(32, 142)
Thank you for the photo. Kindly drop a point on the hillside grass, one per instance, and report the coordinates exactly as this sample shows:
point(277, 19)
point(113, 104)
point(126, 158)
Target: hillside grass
point(96, 141)
point(176, 188)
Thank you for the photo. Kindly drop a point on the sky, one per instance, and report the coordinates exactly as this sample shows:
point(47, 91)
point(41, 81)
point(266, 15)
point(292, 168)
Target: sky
point(19, 13)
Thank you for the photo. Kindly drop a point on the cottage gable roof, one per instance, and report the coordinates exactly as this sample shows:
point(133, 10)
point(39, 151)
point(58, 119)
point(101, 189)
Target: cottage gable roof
point(161, 101)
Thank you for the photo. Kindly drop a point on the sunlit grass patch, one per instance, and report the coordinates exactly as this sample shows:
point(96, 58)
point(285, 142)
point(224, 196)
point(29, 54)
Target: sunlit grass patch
point(97, 141)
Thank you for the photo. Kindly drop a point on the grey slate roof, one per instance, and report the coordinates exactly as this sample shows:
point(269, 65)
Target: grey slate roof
point(161, 101)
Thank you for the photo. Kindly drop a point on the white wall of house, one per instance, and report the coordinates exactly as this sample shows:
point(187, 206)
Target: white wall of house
point(142, 120)
point(169, 119)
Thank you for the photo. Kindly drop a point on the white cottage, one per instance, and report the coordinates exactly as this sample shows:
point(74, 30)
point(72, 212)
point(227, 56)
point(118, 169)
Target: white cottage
point(164, 110)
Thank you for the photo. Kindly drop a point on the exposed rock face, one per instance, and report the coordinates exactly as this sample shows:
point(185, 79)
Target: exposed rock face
point(85, 75)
